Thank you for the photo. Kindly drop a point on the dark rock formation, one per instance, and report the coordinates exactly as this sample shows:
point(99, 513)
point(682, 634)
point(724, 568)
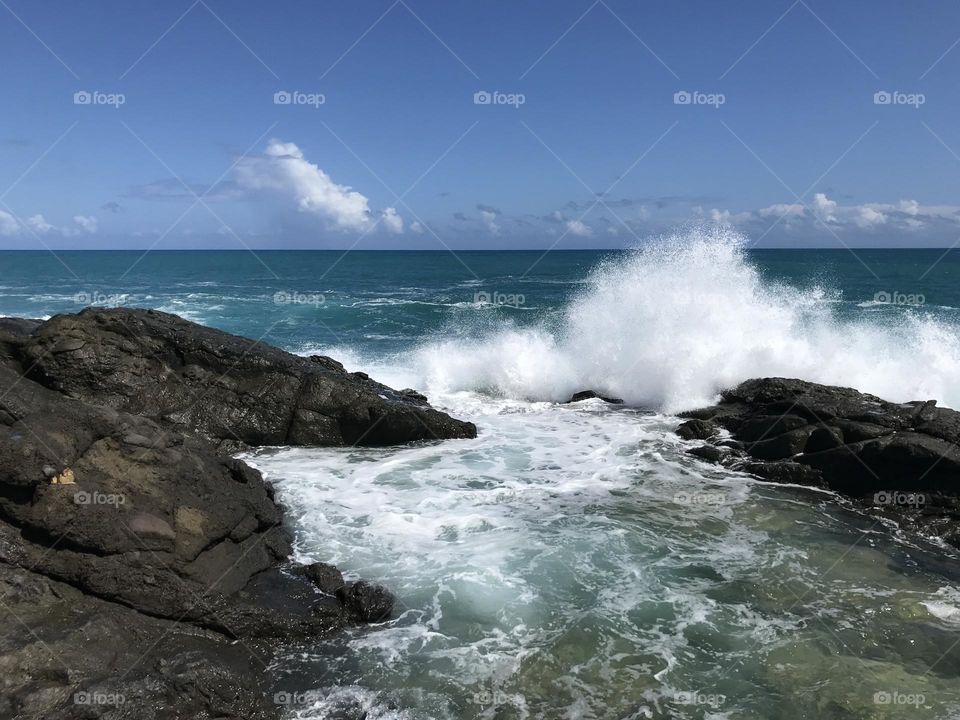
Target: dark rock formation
point(232, 390)
point(590, 395)
point(141, 569)
point(901, 460)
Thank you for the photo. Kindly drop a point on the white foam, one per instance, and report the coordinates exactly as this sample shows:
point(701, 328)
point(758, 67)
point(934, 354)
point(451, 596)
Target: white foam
point(676, 322)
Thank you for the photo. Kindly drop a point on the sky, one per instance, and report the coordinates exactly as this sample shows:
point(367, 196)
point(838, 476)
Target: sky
point(485, 125)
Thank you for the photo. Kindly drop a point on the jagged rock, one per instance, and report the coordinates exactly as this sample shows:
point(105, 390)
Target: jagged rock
point(368, 602)
point(590, 395)
point(856, 444)
point(146, 566)
point(710, 453)
point(696, 430)
point(230, 389)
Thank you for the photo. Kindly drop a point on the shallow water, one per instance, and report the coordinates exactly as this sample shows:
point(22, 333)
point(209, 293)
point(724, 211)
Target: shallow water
point(571, 563)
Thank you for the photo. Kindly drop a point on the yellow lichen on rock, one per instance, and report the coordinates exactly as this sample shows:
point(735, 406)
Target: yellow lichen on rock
point(64, 478)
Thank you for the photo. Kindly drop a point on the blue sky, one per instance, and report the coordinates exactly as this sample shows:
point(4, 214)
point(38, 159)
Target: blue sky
point(585, 143)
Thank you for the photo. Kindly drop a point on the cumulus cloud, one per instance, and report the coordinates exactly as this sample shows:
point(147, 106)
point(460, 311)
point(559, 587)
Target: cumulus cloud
point(8, 224)
point(489, 219)
point(578, 228)
point(282, 171)
point(86, 224)
point(822, 211)
point(416, 228)
point(39, 224)
point(392, 222)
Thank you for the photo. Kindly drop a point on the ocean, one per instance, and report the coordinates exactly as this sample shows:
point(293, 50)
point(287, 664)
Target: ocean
point(572, 561)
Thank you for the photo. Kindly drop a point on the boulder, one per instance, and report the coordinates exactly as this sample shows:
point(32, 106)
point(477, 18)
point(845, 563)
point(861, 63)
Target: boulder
point(844, 440)
point(235, 391)
point(591, 395)
point(144, 567)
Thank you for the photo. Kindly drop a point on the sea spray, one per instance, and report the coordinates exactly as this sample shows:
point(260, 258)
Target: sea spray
point(670, 325)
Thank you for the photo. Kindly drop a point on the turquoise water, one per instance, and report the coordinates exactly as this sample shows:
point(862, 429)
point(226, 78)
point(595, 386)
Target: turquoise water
point(384, 301)
point(572, 561)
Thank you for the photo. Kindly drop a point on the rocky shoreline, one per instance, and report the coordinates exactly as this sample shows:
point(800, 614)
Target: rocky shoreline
point(144, 572)
point(896, 461)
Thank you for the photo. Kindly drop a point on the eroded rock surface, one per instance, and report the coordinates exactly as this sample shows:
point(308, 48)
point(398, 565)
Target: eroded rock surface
point(900, 459)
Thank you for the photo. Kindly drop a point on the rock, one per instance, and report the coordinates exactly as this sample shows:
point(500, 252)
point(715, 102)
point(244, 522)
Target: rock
point(366, 601)
point(696, 430)
point(232, 390)
point(710, 453)
point(325, 576)
point(147, 567)
point(850, 442)
point(590, 395)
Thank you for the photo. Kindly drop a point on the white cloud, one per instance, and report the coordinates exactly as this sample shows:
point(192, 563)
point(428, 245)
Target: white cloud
point(578, 228)
point(86, 224)
point(489, 218)
point(392, 222)
point(824, 208)
point(868, 217)
point(8, 224)
point(283, 171)
point(39, 224)
point(795, 218)
point(416, 228)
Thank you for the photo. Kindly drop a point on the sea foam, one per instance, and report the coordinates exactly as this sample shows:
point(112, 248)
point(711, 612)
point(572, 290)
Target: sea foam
point(672, 324)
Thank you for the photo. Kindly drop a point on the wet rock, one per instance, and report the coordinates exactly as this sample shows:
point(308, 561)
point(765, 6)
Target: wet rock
point(591, 395)
point(696, 429)
point(229, 389)
point(326, 577)
point(147, 567)
point(367, 602)
point(710, 453)
point(851, 442)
